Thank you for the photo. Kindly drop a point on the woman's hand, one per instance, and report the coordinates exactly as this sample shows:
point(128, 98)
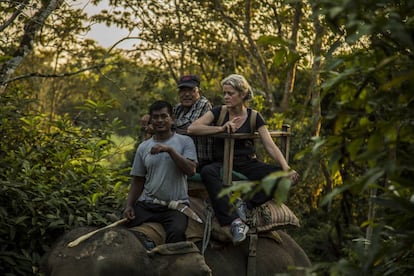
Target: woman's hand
point(231, 126)
point(294, 176)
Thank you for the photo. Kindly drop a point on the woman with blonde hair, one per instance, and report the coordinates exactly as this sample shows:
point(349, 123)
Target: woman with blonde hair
point(236, 93)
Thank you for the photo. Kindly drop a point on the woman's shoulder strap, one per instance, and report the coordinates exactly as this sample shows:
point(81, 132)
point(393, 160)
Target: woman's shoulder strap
point(223, 111)
point(253, 116)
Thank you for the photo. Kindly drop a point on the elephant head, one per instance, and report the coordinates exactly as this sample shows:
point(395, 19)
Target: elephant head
point(117, 251)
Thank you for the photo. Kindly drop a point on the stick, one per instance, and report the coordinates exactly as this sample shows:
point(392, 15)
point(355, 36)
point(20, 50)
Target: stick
point(88, 235)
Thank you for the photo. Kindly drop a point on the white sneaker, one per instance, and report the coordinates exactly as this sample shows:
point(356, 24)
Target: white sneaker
point(239, 230)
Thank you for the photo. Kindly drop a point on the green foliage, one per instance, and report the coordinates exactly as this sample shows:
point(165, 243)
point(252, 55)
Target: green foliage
point(59, 171)
point(365, 147)
point(246, 188)
point(54, 177)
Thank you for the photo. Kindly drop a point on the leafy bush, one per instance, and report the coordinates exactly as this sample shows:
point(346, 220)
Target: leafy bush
point(53, 178)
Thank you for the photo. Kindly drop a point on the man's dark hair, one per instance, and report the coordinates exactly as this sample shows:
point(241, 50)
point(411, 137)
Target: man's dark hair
point(157, 105)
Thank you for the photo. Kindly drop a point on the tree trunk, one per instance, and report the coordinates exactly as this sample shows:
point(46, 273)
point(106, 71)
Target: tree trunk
point(31, 27)
point(313, 94)
point(252, 52)
point(290, 77)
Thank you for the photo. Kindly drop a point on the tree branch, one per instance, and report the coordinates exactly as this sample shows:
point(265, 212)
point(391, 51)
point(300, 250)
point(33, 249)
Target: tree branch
point(40, 75)
point(26, 43)
point(16, 13)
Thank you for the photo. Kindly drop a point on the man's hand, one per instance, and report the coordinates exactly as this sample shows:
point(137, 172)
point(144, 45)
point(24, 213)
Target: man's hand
point(160, 148)
point(145, 124)
point(187, 166)
point(129, 213)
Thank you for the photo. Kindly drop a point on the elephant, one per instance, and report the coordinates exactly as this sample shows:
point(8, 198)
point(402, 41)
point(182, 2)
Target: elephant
point(142, 251)
point(118, 251)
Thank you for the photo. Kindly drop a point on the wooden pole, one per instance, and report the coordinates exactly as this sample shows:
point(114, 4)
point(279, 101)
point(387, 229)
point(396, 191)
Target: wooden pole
point(90, 234)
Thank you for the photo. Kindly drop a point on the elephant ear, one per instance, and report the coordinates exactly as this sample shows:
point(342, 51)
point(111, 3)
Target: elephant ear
point(273, 216)
point(184, 247)
point(180, 258)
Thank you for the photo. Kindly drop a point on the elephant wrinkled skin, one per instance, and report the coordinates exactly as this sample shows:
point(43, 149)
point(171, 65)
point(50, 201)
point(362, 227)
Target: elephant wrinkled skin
point(118, 251)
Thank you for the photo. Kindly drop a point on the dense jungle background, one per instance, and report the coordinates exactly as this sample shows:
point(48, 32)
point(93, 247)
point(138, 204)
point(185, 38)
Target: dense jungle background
point(339, 72)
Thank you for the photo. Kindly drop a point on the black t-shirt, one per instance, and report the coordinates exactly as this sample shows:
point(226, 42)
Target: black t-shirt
point(242, 147)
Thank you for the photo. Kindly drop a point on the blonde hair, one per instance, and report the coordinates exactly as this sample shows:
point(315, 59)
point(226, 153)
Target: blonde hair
point(239, 83)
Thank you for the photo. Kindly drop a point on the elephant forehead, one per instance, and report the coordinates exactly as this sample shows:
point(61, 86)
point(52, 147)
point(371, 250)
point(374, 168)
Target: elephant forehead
point(112, 238)
point(101, 242)
point(87, 250)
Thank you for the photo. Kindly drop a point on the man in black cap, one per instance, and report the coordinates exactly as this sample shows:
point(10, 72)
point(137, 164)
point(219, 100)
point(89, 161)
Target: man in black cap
point(191, 107)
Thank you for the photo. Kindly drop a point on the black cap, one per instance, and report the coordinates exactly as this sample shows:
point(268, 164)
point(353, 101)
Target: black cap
point(189, 81)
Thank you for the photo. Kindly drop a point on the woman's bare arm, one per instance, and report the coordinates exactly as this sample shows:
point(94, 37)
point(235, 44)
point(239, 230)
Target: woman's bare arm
point(272, 148)
point(202, 126)
point(276, 153)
